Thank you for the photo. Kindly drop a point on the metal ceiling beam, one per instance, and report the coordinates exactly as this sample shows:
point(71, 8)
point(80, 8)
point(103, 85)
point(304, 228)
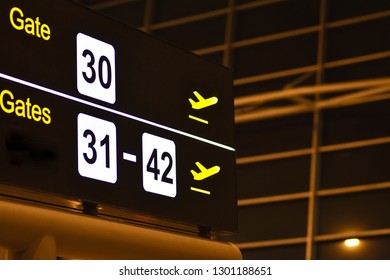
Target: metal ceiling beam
point(318, 238)
point(371, 95)
point(109, 4)
point(309, 90)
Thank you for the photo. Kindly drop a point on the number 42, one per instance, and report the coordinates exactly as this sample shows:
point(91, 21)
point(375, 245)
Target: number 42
point(152, 166)
point(159, 165)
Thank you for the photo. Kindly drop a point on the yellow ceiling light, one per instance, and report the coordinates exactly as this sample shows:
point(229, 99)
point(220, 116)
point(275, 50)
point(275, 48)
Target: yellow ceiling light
point(352, 242)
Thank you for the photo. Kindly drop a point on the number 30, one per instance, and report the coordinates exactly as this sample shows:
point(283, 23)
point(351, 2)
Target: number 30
point(95, 68)
point(103, 60)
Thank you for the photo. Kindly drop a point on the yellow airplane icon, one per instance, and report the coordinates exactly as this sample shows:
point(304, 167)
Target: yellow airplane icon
point(204, 172)
point(202, 102)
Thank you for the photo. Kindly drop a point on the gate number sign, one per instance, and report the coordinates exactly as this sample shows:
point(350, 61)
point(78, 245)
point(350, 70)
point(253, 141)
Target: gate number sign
point(93, 110)
point(159, 165)
point(96, 143)
point(95, 68)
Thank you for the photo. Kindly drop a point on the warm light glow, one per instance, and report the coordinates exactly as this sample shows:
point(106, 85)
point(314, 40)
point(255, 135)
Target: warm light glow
point(353, 242)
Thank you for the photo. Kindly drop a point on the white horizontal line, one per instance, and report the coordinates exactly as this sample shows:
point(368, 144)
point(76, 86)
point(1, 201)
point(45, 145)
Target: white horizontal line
point(129, 157)
point(63, 95)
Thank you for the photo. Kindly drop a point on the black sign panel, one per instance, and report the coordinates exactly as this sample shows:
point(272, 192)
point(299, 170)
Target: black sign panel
point(94, 110)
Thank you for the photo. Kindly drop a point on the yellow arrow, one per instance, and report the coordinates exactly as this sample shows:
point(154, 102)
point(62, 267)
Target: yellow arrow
point(202, 102)
point(204, 172)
